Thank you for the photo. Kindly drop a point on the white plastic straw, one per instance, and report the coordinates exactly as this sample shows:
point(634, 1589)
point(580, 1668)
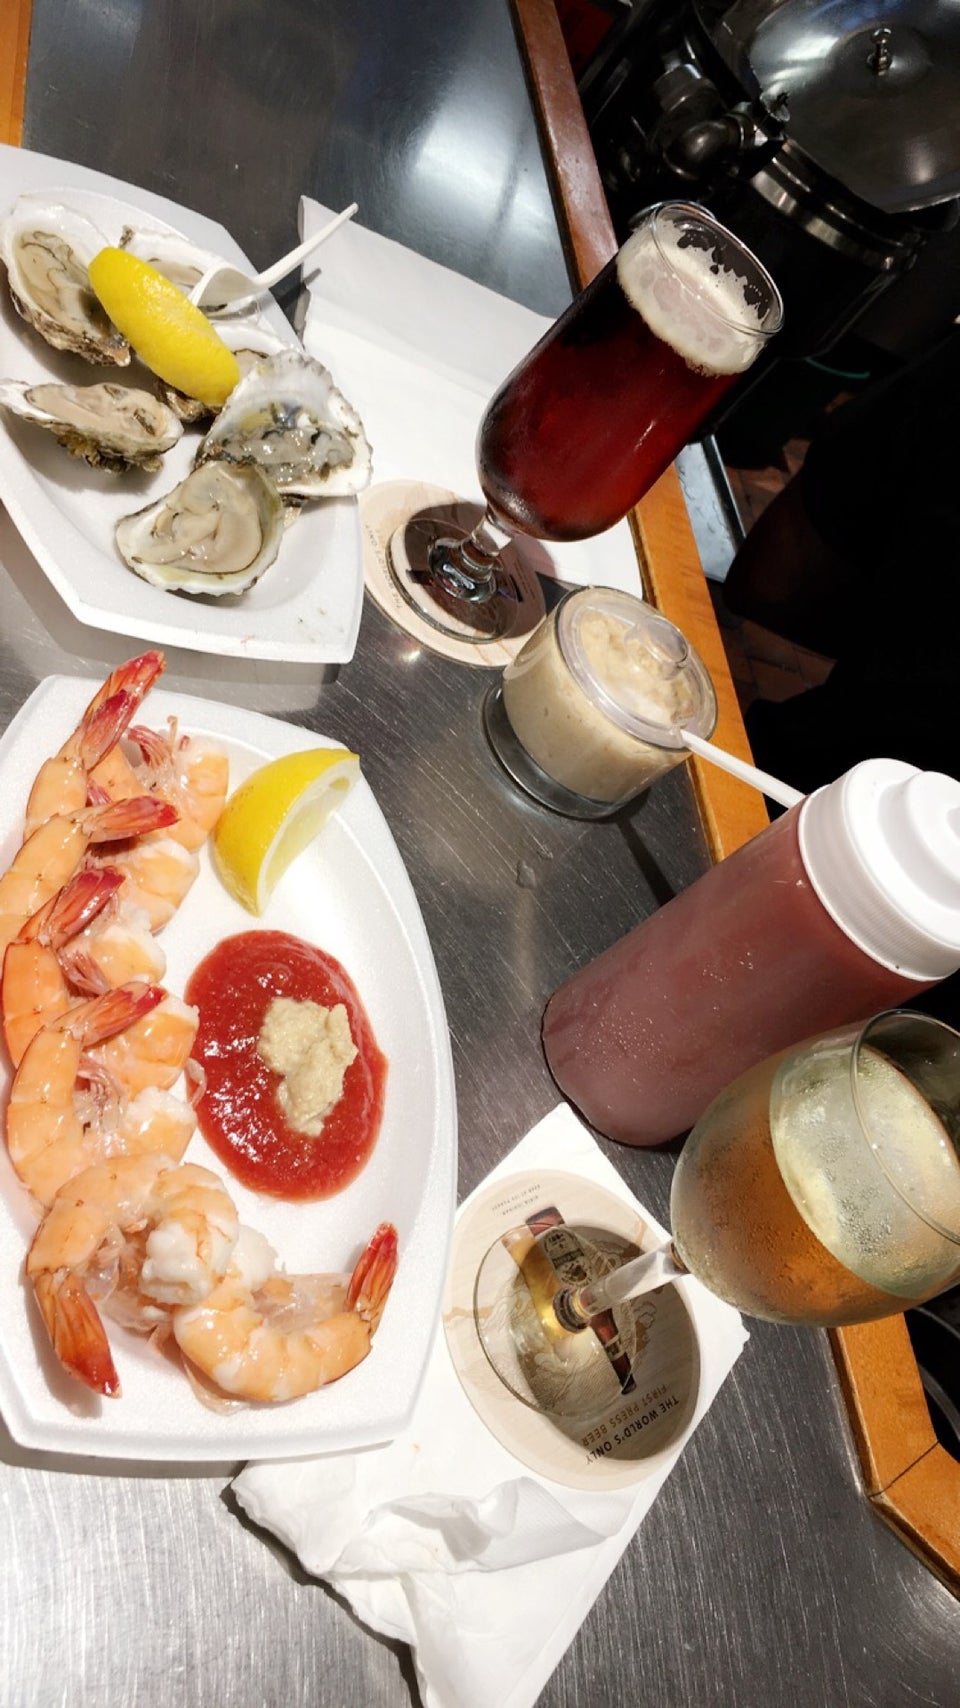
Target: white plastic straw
point(761, 780)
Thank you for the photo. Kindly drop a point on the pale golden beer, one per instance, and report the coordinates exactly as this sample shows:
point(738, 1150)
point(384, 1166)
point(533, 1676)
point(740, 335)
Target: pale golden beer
point(823, 1186)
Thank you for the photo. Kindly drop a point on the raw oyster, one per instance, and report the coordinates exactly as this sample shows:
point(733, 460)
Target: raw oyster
point(109, 425)
point(46, 248)
point(289, 419)
point(214, 533)
point(249, 344)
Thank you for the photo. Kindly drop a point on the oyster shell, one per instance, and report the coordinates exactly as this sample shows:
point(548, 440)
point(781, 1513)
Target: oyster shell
point(46, 248)
point(179, 260)
point(289, 419)
point(182, 262)
point(215, 533)
point(109, 425)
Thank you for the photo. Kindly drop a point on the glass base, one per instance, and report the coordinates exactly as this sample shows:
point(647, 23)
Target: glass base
point(553, 1370)
point(495, 617)
point(527, 774)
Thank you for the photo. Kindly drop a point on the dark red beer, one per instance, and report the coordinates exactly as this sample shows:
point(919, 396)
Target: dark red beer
point(600, 407)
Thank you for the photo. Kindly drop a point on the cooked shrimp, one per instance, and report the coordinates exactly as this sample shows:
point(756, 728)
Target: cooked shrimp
point(263, 1335)
point(115, 777)
point(34, 989)
point(60, 785)
point(55, 1128)
point(154, 1049)
point(50, 857)
point(158, 874)
point(189, 772)
point(62, 781)
point(144, 1231)
point(155, 1121)
point(114, 948)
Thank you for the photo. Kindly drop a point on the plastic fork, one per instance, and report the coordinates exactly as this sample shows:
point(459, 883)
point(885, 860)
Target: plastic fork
point(235, 289)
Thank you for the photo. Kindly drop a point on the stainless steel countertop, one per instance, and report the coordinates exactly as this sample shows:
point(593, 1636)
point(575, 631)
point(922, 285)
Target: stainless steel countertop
point(761, 1576)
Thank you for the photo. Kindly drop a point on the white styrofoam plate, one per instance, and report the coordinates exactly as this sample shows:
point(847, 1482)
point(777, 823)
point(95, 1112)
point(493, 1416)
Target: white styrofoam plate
point(350, 894)
point(306, 607)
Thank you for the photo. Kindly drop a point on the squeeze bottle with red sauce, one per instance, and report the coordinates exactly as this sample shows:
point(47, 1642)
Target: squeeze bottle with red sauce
point(848, 904)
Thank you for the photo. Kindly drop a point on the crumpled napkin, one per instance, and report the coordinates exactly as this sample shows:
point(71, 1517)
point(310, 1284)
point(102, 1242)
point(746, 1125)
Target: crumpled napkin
point(446, 1541)
point(419, 350)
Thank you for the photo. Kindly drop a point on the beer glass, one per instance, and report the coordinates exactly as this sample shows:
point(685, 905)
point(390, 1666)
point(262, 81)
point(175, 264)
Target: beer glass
point(822, 1187)
point(599, 408)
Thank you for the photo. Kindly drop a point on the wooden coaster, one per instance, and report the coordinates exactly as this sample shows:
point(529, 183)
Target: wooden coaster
point(384, 510)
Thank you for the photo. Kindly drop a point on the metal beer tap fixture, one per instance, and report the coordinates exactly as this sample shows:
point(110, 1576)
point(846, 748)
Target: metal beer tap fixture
point(880, 57)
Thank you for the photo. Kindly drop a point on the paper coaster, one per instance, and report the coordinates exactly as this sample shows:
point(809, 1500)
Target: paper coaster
point(384, 509)
point(638, 1429)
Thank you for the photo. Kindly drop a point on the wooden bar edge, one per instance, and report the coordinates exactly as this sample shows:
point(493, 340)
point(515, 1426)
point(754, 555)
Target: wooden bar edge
point(923, 1507)
point(14, 51)
point(913, 1483)
point(674, 581)
point(885, 1400)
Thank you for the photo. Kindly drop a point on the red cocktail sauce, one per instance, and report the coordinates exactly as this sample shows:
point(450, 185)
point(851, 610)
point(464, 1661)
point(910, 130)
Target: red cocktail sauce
point(239, 1114)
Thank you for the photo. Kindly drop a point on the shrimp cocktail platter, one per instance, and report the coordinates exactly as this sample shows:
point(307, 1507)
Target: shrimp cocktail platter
point(189, 478)
point(229, 1170)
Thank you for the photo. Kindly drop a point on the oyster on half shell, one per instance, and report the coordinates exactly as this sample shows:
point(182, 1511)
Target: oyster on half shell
point(47, 248)
point(109, 425)
point(288, 418)
point(215, 533)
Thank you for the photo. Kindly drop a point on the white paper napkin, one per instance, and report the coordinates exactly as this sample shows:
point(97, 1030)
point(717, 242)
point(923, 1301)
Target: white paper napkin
point(419, 350)
point(446, 1541)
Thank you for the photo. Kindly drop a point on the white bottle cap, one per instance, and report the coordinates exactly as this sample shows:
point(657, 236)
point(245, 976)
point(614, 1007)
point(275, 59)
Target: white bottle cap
point(881, 847)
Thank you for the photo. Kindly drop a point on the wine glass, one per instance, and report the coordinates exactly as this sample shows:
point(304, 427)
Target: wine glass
point(821, 1187)
point(597, 410)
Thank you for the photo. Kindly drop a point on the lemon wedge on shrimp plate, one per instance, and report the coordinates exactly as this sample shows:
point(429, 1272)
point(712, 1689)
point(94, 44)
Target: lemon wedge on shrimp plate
point(274, 815)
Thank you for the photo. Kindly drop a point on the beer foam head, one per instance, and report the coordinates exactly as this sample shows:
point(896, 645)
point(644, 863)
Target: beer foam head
point(690, 300)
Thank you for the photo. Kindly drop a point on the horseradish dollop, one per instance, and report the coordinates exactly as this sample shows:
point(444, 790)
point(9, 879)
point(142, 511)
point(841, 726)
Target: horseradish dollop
point(311, 1048)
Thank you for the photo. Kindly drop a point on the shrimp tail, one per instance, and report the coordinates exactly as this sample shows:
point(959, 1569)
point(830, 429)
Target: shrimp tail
point(106, 1015)
point(76, 1331)
point(73, 907)
point(156, 748)
point(80, 970)
point(102, 726)
point(118, 820)
point(133, 678)
point(372, 1278)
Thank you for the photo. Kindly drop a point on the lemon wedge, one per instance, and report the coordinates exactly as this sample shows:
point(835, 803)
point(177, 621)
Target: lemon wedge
point(272, 817)
point(169, 333)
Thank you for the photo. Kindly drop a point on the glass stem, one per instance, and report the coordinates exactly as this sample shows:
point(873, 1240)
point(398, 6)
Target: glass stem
point(575, 1306)
point(467, 568)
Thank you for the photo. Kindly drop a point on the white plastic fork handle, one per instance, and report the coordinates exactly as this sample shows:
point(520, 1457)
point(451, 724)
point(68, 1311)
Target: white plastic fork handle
point(281, 268)
point(259, 282)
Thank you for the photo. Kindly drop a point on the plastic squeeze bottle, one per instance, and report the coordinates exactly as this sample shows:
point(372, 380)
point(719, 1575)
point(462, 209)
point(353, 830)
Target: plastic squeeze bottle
point(848, 904)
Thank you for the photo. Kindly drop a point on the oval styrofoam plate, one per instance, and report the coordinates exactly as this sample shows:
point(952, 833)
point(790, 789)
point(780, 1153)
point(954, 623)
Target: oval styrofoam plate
point(306, 607)
point(349, 893)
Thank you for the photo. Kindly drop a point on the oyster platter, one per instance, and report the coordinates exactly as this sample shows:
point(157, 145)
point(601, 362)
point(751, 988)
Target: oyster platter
point(228, 526)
